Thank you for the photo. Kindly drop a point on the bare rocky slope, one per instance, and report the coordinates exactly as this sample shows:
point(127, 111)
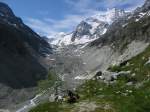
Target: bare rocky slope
point(125, 38)
point(123, 53)
point(21, 55)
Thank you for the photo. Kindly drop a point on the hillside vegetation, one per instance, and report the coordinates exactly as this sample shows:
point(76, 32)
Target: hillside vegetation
point(129, 93)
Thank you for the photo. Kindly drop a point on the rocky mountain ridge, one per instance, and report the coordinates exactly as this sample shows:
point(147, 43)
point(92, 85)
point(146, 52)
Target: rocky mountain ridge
point(115, 68)
point(90, 28)
point(21, 58)
point(125, 38)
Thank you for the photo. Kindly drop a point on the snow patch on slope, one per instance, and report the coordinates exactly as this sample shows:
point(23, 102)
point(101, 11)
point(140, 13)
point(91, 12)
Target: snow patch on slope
point(89, 29)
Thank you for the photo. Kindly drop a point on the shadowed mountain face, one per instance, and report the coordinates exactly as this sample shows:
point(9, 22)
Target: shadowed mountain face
point(20, 50)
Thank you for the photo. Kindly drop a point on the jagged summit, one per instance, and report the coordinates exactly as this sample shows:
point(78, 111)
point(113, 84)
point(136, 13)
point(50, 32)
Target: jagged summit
point(91, 28)
point(111, 15)
point(82, 29)
point(22, 53)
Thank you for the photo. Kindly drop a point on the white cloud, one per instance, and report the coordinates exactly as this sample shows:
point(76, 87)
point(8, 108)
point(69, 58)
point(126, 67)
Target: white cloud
point(86, 5)
point(126, 4)
point(49, 20)
point(83, 6)
point(48, 26)
point(39, 26)
point(80, 9)
point(68, 22)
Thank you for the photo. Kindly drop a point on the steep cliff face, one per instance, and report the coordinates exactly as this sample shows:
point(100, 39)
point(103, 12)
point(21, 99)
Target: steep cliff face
point(20, 49)
point(21, 53)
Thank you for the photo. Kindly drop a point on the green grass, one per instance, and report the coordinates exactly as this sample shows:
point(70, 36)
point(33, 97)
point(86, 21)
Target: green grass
point(119, 96)
point(52, 81)
point(52, 107)
point(102, 94)
point(137, 65)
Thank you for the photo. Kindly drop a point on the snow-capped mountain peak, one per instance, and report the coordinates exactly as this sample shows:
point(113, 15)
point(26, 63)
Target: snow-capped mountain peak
point(90, 28)
point(114, 14)
point(110, 16)
point(61, 39)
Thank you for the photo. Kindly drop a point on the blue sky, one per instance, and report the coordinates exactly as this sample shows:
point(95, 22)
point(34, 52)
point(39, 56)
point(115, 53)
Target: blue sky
point(51, 16)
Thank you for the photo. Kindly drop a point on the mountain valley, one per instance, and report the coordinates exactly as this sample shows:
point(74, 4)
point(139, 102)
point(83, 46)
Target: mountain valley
point(104, 61)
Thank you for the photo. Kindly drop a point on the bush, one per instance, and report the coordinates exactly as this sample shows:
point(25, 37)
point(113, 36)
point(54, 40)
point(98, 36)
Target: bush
point(50, 81)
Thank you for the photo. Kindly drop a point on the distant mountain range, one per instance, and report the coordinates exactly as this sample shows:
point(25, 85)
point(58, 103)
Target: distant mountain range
point(90, 28)
point(108, 39)
point(105, 39)
point(113, 65)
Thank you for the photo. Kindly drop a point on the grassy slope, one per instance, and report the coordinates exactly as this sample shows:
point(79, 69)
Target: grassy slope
point(117, 97)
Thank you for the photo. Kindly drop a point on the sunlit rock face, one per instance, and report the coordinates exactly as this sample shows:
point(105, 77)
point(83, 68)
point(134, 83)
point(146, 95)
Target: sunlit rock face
point(90, 28)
